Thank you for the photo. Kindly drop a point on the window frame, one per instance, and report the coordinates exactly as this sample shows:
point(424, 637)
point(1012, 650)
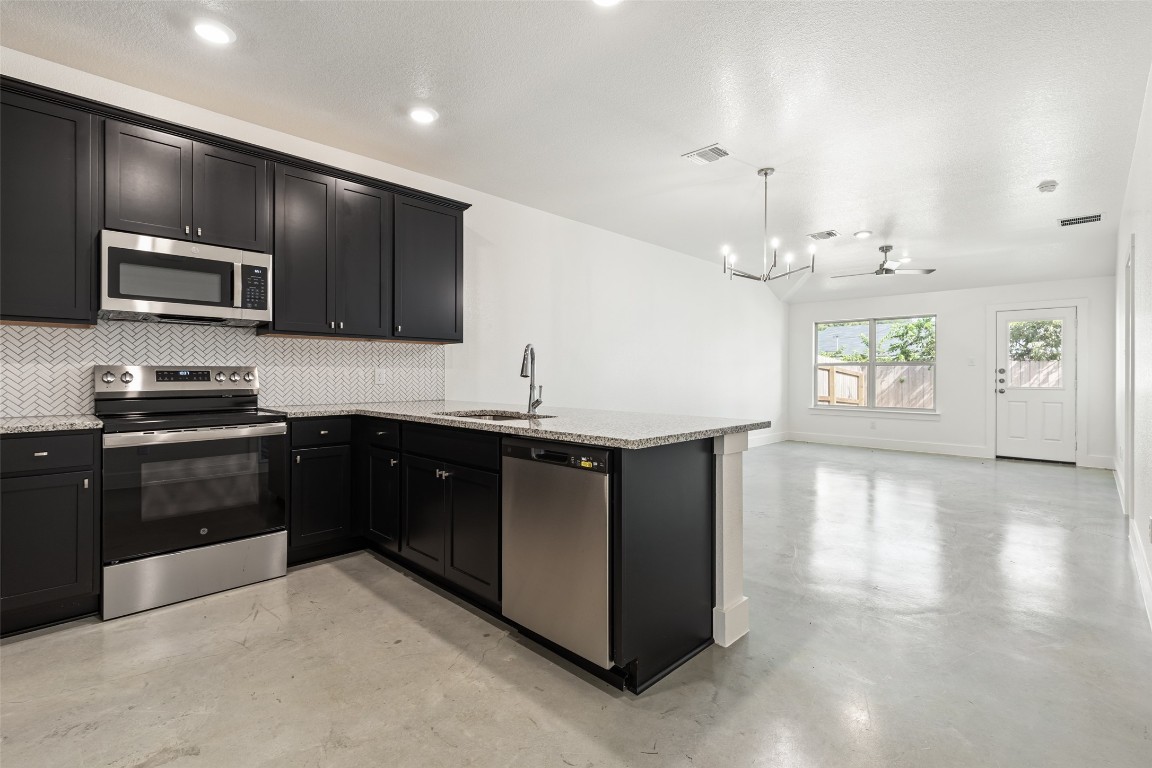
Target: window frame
point(870, 365)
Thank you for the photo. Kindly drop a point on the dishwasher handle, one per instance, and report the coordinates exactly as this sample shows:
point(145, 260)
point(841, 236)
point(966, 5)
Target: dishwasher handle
point(556, 457)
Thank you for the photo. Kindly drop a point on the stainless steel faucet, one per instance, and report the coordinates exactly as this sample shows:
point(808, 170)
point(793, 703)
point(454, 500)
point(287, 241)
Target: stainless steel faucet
point(528, 371)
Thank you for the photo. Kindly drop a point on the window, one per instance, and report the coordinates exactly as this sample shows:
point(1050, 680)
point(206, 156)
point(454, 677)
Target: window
point(881, 363)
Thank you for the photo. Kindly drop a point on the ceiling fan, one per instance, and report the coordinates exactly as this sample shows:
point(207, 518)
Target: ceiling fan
point(888, 267)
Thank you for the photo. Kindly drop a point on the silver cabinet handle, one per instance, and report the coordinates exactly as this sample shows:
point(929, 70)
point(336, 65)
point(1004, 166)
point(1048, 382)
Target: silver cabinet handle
point(398, 328)
point(40, 453)
point(445, 475)
point(297, 459)
point(332, 324)
point(439, 474)
point(85, 483)
point(187, 229)
point(199, 232)
point(393, 462)
point(378, 434)
point(341, 325)
point(323, 431)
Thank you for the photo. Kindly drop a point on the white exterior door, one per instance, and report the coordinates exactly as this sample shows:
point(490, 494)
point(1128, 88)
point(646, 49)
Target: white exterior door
point(1035, 384)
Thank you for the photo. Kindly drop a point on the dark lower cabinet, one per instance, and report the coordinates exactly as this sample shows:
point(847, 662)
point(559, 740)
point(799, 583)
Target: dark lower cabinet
point(320, 508)
point(425, 520)
point(48, 219)
point(378, 505)
point(472, 554)
point(451, 524)
point(49, 530)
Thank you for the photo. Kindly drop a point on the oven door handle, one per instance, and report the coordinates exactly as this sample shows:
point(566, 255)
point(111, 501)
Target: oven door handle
point(125, 439)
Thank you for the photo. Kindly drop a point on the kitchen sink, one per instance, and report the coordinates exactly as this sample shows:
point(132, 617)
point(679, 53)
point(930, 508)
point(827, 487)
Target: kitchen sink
point(494, 415)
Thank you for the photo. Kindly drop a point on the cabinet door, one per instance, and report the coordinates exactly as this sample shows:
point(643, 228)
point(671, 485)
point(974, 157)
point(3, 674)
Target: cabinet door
point(424, 515)
point(321, 508)
point(229, 198)
point(47, 539)
point(304, 270)
point(147, 181)
point(381, 497)
point(47, 224)
point(429, 291)
point(364, 259)
point(472, 559)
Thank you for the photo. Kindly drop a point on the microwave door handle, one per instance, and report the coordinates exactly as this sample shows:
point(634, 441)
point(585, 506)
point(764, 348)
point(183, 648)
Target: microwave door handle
point(237, 284)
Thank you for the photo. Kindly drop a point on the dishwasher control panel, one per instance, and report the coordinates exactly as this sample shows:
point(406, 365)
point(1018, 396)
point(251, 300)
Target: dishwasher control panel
point(586, 458)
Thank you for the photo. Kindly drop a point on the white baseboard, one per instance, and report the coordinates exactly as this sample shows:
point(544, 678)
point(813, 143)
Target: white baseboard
point(1141, 562)
point(765, 437)
point(1096, 462)
point(1119, 477)
point(914, 446)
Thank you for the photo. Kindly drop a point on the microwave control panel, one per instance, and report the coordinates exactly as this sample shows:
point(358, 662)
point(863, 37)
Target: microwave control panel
point(255, 287)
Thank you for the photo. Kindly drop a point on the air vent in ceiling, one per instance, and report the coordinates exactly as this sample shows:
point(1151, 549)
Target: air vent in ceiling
point(1081, 220)
point(827, 234)
point(709, 154)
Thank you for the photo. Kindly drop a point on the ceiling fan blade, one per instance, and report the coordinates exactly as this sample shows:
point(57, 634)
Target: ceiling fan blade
point(856, 274)
point(890, 265)
point(912, 271)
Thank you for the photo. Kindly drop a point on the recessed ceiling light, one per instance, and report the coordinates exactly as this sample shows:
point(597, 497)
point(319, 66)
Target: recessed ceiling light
point(424, 115)
point(215, 32)
point(863, 234)
point(606, 3)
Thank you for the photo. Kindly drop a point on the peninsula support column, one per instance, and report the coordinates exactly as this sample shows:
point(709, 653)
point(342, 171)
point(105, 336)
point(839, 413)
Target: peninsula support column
point(730, 614)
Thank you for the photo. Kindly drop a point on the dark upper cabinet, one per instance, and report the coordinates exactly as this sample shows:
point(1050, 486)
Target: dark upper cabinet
point(159, 184)
point(48, 544)
point(304, 265)
point(230, 198)
point(320, 507)
point(378, 503)
point(48, 220)
point(424, 519)
point(429, 273)
point(364, 259)
point(472, 556)
point(147, 181)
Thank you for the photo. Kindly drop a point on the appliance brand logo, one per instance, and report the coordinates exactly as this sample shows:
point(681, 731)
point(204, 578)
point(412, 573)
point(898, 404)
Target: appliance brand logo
point(195, 249)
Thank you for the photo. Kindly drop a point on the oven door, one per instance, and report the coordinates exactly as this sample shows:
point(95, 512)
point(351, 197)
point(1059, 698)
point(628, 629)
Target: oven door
point(167, 491)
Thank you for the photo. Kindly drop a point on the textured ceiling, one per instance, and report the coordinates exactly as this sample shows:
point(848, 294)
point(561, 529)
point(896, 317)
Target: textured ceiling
point(929, 123)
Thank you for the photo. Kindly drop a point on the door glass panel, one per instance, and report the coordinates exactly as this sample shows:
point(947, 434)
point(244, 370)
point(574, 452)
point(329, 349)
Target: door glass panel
point(189, 486)
point(171, 284)
point(1035, 351)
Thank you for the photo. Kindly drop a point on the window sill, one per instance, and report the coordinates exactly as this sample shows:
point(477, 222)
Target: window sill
point(873, 413)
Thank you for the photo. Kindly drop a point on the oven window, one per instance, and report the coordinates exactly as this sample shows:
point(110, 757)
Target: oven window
point(172, 284)
point(184, 487)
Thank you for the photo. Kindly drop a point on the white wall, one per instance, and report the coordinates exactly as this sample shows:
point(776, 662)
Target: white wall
point(1134, 471)
point(618, 323)
point(964, 396)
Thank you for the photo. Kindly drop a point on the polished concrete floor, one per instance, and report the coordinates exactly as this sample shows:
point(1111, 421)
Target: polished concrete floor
point(908, 610)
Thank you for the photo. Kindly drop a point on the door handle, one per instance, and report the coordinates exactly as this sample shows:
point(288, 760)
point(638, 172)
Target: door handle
point(297, 459)
point(40, 453)
point(85, 483)
point(323, 431)
point(199, 232)
point(332, 324)
point(1001, 390)
point(341, 325)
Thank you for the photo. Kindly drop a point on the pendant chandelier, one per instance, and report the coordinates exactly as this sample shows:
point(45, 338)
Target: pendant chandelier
point(729, 259)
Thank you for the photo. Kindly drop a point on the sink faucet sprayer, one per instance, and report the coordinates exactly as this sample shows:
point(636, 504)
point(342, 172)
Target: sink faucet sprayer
point(528, 371)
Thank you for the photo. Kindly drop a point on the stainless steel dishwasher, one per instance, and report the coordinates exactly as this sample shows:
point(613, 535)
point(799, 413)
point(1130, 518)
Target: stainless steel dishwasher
point(555, 544)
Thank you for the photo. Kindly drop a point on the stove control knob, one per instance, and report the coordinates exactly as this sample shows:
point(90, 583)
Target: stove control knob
point(108, 377)
point(220, 376)
point(126, 377)
point(235, 377)
point(249, 377)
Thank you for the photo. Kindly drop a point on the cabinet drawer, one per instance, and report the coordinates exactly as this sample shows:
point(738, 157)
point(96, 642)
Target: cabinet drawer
point(46, 452)
point(380, 433)
point(309, 432)
point(471, 448)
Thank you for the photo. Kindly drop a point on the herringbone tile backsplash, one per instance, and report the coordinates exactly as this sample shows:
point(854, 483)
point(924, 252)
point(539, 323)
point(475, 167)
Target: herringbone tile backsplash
point(48, 371)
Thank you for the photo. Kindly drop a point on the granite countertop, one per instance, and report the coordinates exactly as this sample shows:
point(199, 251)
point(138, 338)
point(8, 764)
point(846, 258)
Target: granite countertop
point(29, 424)
point(609, 429)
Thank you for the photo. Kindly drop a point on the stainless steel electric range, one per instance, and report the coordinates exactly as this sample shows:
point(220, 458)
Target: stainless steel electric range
point(195, 484)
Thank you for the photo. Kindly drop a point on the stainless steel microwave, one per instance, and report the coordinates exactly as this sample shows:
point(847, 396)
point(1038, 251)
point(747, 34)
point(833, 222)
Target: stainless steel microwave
point(159, 280)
